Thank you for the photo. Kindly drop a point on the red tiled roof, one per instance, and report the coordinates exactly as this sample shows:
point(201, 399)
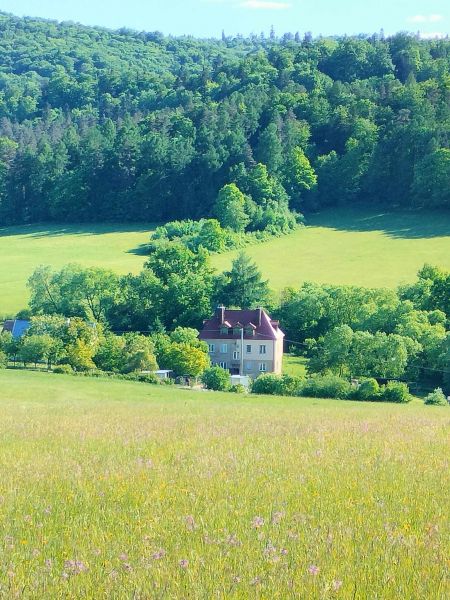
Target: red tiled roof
point(258, 320)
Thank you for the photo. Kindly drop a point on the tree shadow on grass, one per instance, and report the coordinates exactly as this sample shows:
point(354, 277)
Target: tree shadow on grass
point(45, 230)
point(141, 250)
point(396, 224)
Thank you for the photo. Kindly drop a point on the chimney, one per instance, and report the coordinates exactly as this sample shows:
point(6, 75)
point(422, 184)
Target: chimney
point(221, 313)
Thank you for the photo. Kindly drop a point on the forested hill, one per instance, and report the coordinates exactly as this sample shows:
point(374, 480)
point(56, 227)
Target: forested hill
point(98, 125)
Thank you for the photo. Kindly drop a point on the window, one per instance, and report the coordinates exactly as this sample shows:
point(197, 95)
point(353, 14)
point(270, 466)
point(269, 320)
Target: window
point(223, 365)
point(249, 348)
point(262, 367)
point(262, 349)
point(235, 355)
point(211, 347)
point(223, 330)
point(224, 348)
point(249, 366)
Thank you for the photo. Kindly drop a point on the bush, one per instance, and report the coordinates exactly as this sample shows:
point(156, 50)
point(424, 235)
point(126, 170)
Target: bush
point(395, 391)
point(277, 385)
point(266, 384)
point(326, 386)
point(436, 398)
point(238, 389)
point(63, 370)
point(216, 378)
point(3, 360)
point(368, 390)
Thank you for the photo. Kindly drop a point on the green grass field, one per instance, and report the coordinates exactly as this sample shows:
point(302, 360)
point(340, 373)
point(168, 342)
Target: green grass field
point(120, 490)
point(354, 247)
point(341, 246)
point(22, 249)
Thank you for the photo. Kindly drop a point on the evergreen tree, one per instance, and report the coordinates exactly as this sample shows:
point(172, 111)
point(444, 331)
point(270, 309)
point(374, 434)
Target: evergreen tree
point(244, 285)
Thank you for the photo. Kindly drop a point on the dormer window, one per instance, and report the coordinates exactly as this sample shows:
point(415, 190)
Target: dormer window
point(250, 329)
point(223, 330)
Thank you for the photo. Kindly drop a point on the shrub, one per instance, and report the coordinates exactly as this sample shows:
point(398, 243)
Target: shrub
point(326, 386)
point(146, 378)
point(266, 384)
point(368, 390)
point(238, 389)
point(216, 378)
point(436, 398)
point(395, 391)
point(63, 370)
point(3, 360)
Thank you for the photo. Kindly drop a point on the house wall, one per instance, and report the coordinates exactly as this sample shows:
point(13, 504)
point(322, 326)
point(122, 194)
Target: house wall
point(252, 360)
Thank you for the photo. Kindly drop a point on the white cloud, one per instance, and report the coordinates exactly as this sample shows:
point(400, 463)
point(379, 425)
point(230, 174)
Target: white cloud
point(425, 18)
point(265, 5)
point(432, 35)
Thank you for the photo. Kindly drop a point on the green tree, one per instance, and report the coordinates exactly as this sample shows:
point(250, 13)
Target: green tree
point(245, 287)
point(36, 348)
point(299, 176)
point(216, 378)
point(184, 359)
point(230, 208)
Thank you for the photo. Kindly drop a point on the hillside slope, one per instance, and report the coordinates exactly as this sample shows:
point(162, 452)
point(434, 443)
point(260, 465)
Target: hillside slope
point(357, 247)
point(113, 488)
point(99, 125)
point(354, 247)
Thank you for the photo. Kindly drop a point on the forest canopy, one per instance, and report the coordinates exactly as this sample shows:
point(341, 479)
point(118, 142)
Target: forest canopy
point(102, 125)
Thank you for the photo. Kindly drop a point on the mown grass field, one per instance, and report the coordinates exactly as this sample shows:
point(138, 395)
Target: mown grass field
point(354, 247)
point(113, 489)
point(342, 246)
point(22, 249)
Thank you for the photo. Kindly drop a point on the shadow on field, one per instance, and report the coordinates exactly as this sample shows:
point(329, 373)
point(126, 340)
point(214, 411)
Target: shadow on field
point(395, 224)
point(45, 230)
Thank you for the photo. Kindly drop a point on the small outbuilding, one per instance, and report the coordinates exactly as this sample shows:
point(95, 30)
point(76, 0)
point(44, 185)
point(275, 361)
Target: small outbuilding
point(17, 327)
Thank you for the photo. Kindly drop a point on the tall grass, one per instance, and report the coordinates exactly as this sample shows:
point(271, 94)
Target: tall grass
point(118, 490)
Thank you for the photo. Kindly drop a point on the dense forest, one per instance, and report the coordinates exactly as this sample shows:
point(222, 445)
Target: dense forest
point(98, 125)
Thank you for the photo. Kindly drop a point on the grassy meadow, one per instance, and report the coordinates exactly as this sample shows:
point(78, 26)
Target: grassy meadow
point(113, 489)
point(354, 247)
point(339, 246)
point(22, 249)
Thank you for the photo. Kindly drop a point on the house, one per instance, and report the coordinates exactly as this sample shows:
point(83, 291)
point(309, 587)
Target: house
point(246, 342)
point(17, 327)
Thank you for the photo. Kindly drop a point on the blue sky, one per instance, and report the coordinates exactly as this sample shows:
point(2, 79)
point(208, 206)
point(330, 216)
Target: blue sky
point(208, 17)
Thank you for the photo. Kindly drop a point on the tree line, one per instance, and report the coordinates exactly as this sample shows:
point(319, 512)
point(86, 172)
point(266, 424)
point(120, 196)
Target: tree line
point(343, 331)
point(102, 125)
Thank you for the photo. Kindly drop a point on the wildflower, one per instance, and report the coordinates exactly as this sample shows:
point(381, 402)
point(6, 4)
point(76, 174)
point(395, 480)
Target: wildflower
point(48, 563)
point(74, 567)
point(159, 554)
point(284, 551)
point(184, 563)
point(123, 557)
point(236, 579)
point(47, 510)
point(336, 585)
point(232, 540)
point(255, 581)
point(190, 522)
point(313, 570)
point(276, 518)
point(257, 522)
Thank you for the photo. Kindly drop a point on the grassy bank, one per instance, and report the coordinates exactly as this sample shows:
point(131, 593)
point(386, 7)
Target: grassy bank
point(112, 489)
point(354, 247)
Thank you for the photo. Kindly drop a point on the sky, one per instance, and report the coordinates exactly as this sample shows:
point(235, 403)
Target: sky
point(207, 18)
